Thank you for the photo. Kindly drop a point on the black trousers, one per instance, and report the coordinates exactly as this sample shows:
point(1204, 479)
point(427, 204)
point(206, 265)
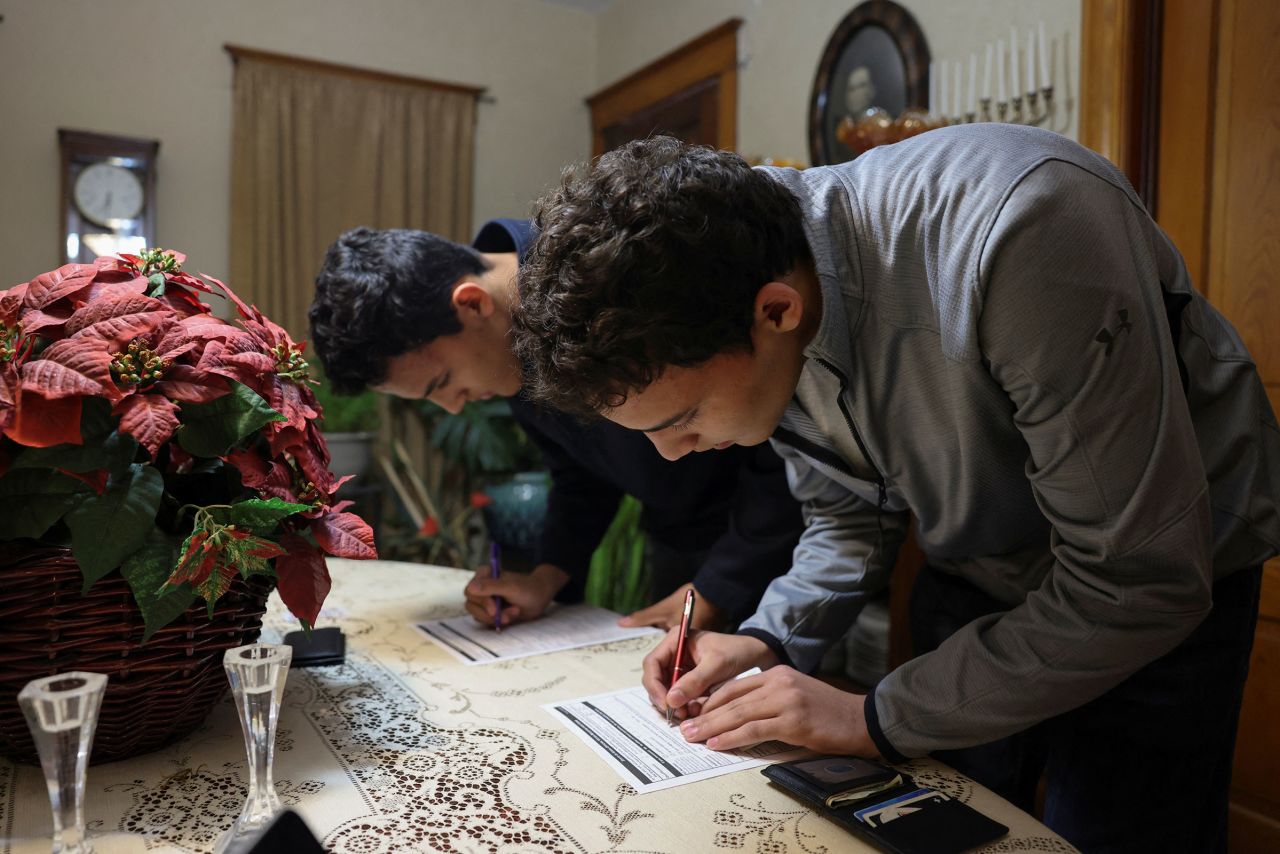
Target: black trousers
point(1144, 767)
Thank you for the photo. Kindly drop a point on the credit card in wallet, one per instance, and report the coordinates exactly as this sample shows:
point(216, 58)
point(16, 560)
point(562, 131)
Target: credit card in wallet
point(878, 815)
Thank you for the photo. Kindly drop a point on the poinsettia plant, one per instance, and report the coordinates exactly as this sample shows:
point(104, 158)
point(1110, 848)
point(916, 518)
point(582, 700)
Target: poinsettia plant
point(156, 438)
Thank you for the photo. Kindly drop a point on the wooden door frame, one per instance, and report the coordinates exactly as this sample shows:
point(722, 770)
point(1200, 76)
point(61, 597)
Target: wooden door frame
point(714, 54)
point(1120, 86)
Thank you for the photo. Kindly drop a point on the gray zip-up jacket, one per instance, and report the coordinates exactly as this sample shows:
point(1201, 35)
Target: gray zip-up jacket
point(997, 355)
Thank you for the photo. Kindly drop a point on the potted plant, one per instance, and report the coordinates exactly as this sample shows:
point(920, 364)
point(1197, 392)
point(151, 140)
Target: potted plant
point(349, 424)
point(160, 470)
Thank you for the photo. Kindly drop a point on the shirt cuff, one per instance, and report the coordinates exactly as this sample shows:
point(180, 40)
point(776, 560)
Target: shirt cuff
point(770, 641)
point(872, 717)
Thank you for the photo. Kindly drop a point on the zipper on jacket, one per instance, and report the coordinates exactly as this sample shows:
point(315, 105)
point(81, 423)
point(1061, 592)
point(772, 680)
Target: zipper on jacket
point(882, 492)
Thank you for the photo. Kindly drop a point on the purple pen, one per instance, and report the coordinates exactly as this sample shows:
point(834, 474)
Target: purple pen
point(495, 569)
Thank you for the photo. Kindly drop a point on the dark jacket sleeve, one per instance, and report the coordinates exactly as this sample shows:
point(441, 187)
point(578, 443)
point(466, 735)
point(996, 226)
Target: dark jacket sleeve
point(764, 525)
point(580, 508)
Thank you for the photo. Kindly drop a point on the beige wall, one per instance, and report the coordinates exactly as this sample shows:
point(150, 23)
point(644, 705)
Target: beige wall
point(156, 68)
point(781, 41)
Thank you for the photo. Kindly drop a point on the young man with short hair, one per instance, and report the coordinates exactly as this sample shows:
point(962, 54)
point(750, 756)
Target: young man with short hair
point(418, 316)
point(981, 326)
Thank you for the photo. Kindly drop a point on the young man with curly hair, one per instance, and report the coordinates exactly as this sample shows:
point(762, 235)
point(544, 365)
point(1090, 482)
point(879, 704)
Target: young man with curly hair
point(981, 327)
point(415, 315)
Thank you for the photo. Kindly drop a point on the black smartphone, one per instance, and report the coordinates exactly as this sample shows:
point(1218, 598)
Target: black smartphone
point(324, 647)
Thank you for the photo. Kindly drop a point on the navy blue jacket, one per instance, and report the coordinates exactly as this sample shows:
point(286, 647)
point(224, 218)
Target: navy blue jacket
point(734, 503)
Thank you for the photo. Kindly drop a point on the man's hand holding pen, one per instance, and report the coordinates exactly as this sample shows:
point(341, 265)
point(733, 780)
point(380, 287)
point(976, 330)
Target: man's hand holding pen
point(779, 703)
point(524, 596)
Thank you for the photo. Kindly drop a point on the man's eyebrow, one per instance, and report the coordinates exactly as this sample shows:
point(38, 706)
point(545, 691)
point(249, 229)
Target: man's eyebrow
point(674, 419)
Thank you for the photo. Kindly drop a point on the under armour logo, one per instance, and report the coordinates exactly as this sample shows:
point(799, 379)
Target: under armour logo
point(1106, 336)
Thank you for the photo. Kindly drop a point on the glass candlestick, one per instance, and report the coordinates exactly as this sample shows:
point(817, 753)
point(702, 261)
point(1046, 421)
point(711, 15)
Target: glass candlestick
point(257, 673)
point(62, 712)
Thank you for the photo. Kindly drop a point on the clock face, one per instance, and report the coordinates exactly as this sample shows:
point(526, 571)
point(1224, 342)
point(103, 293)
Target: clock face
point(108, 194)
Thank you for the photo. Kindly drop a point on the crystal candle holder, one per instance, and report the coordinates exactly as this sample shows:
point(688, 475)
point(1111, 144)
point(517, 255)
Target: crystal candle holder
point(62, 712)
point(257, 673)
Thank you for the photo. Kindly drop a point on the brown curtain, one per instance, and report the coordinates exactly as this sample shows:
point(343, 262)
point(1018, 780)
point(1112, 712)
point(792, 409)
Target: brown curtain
point(317, 151)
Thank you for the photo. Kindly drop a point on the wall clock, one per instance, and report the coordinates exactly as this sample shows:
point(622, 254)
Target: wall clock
point(107, 194)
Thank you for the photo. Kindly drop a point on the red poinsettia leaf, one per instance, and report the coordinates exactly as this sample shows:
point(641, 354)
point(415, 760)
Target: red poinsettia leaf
point(246, 366)
point(303, 578)
point(245, 310)
point(11, 302)
point(80, 366)
point(149, 418)
point(10, 380)
point(40, 422)
point(284, 397)
point(187, 384)
point(190, 281)
point(110, 285)
point(344, 535)
point(205, 327)
point(253, 469)
point(97, 480)
point(342, 505)
point(113, 263)
point(47, 323)
point(185, 303)
point(52, 286)
point(115, 305)
point(179, 460)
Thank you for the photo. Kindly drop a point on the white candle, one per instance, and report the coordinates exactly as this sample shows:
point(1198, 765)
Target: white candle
point(958, 106)
point(986, 77)
point(942, 89)
point(933, 88)
point(1000, 71)
point(1015, 90)
point(1031, 64)
point(1044, 60)
point(973, 83)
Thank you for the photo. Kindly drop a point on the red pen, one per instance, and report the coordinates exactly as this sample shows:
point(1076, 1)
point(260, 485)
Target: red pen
point(685, 619)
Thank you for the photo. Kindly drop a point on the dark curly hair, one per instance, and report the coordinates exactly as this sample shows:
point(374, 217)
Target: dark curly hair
point(651, 256)
point(382, 293)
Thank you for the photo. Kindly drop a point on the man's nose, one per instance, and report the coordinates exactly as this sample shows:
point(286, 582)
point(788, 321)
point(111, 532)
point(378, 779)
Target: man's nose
point(452, 405)
point(675, 447)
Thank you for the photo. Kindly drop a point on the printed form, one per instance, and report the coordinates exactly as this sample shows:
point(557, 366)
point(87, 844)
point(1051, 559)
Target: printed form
point(633, 737)
point(562, 627)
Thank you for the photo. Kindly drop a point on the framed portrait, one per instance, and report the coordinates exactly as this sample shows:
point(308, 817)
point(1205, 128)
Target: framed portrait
point(877, 57)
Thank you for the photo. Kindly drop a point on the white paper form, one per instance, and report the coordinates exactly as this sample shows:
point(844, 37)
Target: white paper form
point(633, 737)
point(561, 627)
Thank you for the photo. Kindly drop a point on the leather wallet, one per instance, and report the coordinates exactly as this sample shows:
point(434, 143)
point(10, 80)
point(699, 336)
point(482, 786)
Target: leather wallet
point(903, 818)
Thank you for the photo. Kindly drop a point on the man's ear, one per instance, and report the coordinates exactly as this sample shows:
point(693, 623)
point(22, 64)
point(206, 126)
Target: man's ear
point(470, 298)
point(779, 308)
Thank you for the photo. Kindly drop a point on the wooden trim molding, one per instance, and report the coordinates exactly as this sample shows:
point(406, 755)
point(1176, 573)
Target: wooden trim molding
point(1120, 86)
point(1184, 185)
point(237, 53)
point(714, 54)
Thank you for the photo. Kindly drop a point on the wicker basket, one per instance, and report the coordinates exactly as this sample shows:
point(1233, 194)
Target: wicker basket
point(157, 692)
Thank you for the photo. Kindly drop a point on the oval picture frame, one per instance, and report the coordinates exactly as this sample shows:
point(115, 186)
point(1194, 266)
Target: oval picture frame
point(877, 57)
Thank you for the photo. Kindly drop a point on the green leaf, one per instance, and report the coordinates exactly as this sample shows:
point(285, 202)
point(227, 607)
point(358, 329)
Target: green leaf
point(115, 453)
point(107, 528)
point(210, 429)
point(31, 500)
point(257, 514)
point(146, 570)
point(156, 280)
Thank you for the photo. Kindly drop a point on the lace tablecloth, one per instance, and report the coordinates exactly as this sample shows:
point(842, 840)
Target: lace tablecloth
point(402, 748)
